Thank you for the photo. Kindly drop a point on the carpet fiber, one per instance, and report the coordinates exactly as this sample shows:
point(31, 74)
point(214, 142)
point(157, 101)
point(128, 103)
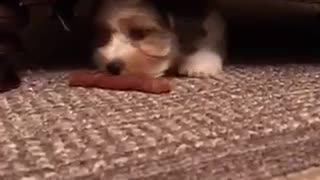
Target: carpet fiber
point(256, 123)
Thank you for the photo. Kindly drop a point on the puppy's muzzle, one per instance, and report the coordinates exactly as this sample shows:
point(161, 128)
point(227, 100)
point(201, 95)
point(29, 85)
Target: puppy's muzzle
point(115, 67)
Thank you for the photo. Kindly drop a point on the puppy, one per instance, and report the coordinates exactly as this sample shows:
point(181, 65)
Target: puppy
point(155, 37)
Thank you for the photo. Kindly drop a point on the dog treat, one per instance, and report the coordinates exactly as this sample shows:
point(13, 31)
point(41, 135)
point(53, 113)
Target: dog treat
point(121, 83)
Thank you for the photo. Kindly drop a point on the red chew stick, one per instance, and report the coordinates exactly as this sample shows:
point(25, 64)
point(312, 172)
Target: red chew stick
point(121, 83)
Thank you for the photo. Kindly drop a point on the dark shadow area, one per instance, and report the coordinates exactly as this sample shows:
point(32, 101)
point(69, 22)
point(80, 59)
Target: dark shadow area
point(274, 42)
point(49, 46)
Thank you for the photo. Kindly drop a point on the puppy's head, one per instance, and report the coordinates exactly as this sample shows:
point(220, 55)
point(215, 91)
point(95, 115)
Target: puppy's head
point(133, 38)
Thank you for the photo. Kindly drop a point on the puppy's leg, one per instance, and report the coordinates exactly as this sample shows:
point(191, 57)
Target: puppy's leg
point(207, 61)
point(203, 63)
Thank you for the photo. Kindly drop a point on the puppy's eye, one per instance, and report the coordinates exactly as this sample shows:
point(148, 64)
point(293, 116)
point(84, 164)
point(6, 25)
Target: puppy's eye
point(139, 34)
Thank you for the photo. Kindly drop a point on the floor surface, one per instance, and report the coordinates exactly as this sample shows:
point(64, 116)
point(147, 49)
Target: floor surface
point(257, 122)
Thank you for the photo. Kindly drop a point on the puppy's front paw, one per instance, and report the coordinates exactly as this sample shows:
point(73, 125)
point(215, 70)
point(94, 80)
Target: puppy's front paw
point(202, 64)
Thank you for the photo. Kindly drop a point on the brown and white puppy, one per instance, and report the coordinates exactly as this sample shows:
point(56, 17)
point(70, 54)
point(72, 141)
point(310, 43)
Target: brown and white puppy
point(152, 37)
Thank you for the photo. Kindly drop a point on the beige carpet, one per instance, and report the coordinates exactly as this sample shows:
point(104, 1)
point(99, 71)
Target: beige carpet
point(259, 122)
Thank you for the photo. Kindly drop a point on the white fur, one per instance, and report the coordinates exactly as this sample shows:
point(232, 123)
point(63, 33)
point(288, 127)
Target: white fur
point(99, 57)
point(160, 70)
point(203, 63)
point(119, 47)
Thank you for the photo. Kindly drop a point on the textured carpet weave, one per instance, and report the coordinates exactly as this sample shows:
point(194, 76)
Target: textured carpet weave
point(257, 123)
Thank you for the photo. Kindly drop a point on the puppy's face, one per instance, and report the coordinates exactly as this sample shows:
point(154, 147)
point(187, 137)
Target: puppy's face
point(133, 40)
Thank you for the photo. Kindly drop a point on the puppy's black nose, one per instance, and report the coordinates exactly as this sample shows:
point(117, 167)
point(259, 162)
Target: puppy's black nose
point(115, 67)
